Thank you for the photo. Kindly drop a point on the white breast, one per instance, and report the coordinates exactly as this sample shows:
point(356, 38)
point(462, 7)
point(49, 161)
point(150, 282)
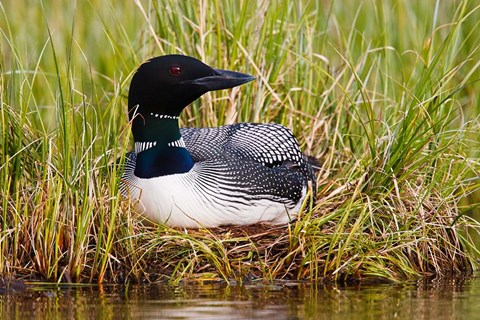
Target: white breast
point(184, 200)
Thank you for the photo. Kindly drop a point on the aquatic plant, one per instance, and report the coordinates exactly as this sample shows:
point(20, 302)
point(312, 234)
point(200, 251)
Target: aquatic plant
point(383, 93)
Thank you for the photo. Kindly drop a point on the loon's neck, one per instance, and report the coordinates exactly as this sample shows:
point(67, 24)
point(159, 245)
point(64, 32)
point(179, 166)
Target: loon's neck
point(159, 146)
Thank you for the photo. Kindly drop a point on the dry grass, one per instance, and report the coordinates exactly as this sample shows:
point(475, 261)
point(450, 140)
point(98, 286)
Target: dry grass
point(383, 93)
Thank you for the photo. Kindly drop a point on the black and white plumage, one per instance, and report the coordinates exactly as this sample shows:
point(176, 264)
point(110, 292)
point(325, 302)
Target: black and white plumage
point(205, 177)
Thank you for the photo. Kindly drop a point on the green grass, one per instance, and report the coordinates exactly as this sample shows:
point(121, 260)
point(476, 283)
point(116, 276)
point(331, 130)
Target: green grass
point(384, 93)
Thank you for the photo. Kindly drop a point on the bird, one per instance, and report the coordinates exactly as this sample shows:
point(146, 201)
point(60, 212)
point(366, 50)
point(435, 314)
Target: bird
point(232, 175)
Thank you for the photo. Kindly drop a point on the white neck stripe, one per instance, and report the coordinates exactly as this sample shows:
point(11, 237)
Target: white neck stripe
point(145, 145)
point(142, 146)
point(163, 116)
point(177, 143)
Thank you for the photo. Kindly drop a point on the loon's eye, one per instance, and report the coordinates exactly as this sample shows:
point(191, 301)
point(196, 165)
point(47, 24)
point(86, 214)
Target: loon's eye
point(175, 70)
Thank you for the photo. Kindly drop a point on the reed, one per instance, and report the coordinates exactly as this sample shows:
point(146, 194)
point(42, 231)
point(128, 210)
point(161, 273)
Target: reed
point(384, 93)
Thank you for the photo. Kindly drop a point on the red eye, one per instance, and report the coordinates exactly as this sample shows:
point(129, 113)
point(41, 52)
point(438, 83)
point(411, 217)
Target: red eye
point(175, 70)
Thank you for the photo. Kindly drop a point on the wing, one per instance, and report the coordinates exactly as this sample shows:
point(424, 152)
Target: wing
point(269, 144)
point(248, 181)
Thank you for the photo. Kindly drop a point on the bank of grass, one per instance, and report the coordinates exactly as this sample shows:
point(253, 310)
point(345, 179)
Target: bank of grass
point(383, 93)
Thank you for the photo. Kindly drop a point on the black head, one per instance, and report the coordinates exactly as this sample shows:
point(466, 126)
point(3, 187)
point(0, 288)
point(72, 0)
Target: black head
point(167, 84)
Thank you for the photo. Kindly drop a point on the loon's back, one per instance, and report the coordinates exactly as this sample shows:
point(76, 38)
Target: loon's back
point(269, 144)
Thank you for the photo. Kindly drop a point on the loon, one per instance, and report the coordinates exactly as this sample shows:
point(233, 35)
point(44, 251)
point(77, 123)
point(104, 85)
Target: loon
point(238, 174)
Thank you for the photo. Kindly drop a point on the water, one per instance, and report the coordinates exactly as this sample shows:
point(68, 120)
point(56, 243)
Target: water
point(427, 299)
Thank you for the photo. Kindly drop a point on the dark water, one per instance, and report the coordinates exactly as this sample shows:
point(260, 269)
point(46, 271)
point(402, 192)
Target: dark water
point(427, 299)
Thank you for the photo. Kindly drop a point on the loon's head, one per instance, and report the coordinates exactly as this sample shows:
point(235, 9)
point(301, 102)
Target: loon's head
point(165, 85)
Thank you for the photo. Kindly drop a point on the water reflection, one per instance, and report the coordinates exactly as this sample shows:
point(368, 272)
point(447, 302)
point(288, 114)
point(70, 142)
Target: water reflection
point(432, 299)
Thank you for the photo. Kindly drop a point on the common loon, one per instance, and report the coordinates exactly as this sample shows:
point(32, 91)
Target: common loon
point(238, 174)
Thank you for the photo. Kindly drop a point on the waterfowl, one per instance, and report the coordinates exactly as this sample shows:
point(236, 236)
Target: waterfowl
point(238, 174)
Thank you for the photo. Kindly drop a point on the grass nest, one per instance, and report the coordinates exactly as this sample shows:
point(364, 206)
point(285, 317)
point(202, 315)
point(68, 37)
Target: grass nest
point(348, 237)
point(351, 233)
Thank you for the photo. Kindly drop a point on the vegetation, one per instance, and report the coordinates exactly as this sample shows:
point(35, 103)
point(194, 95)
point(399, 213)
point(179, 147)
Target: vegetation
point(384, 93)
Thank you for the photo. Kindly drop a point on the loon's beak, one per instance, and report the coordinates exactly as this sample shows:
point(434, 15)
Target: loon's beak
point(222, 79)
